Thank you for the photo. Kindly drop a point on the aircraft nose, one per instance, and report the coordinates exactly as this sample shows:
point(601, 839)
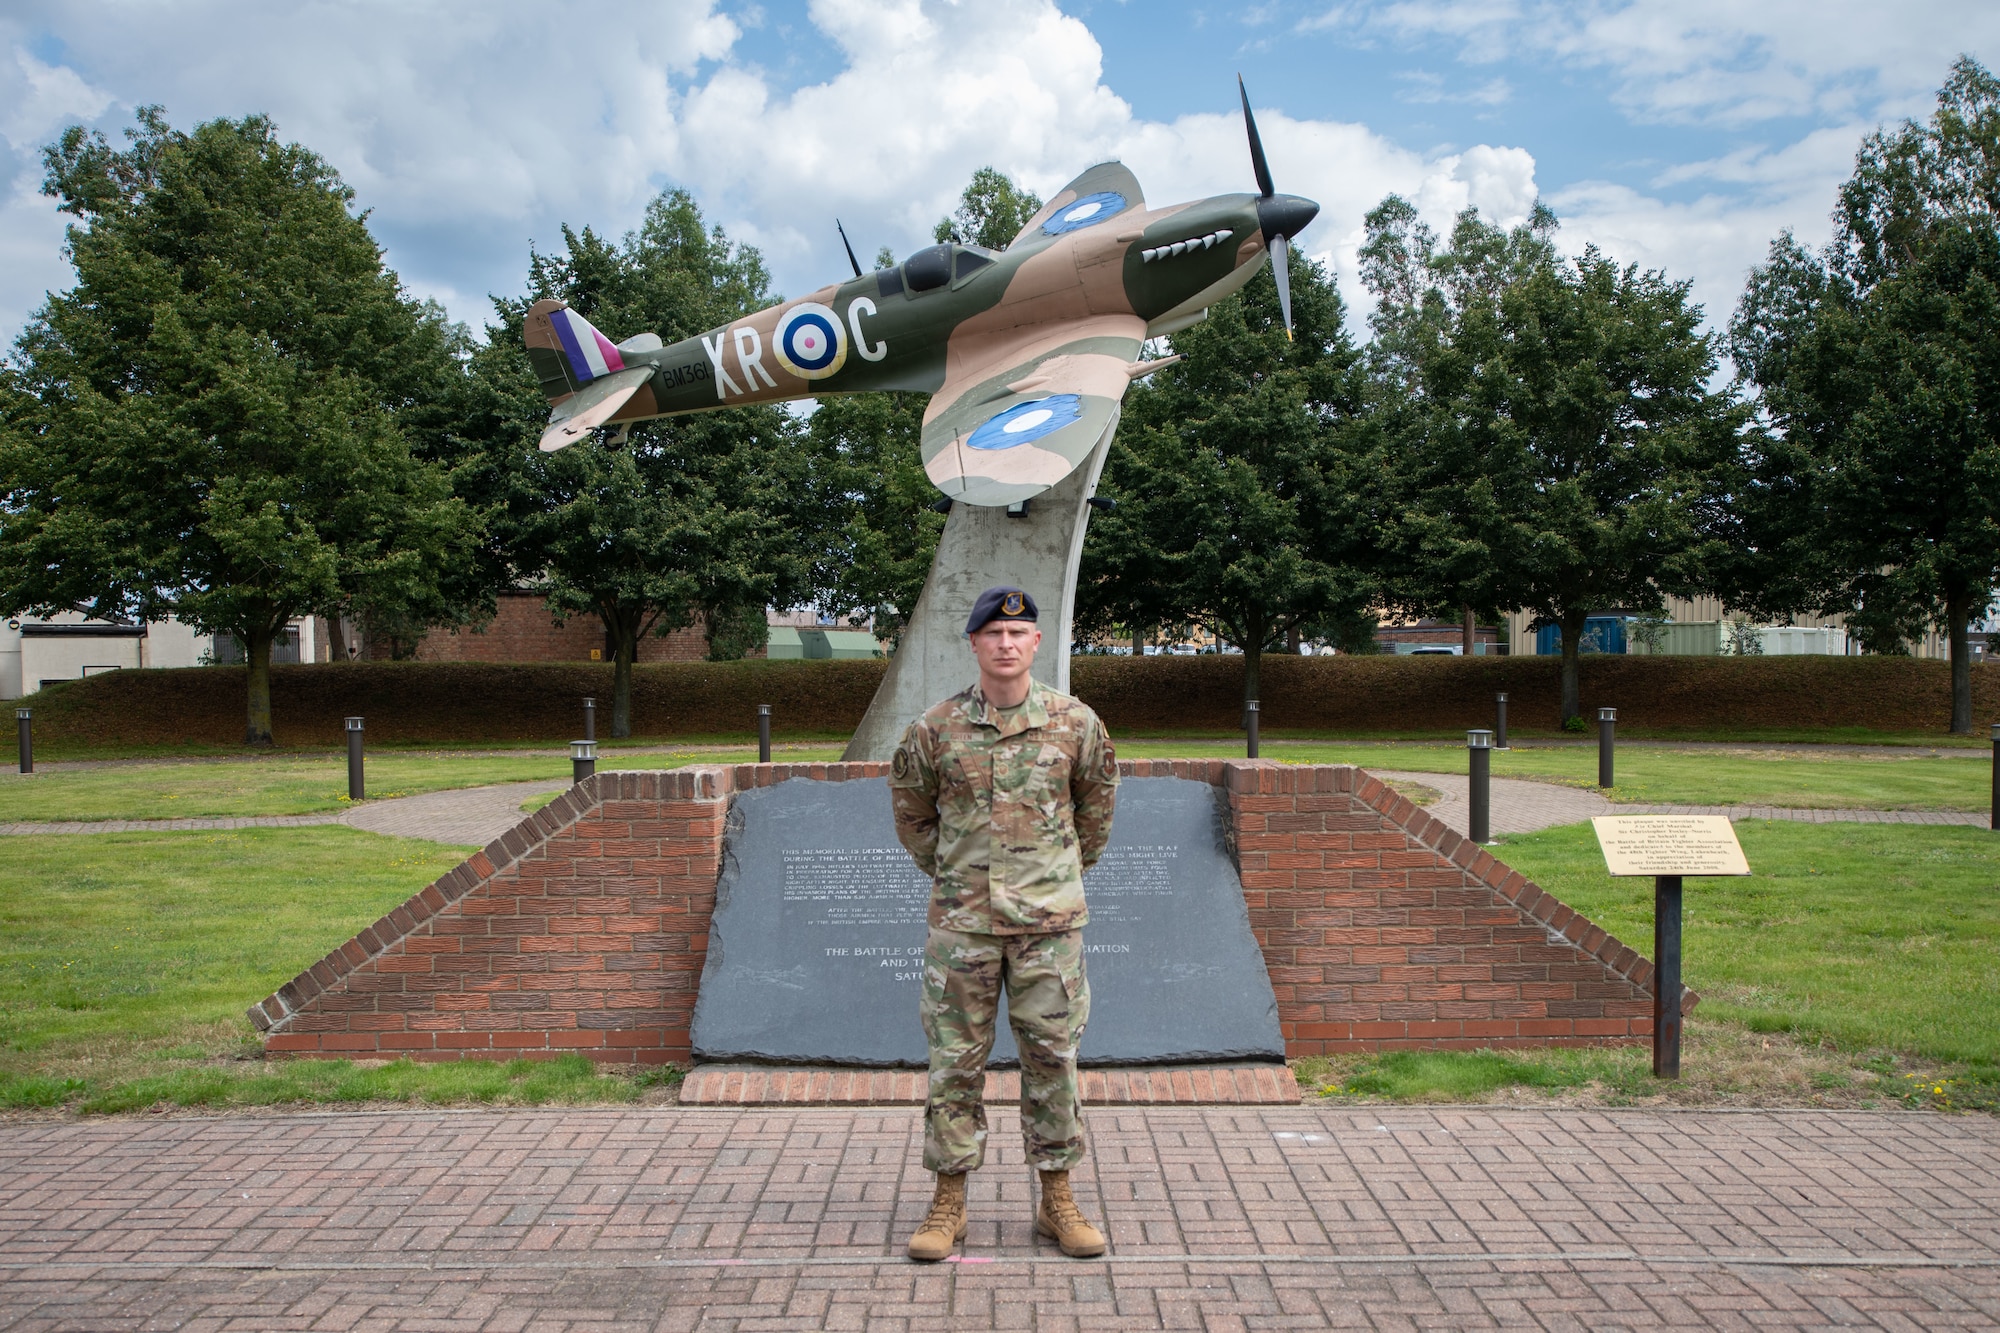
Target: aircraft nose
point(1285, 215)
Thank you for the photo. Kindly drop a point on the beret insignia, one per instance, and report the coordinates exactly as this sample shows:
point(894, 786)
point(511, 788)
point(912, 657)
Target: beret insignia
point(1011, 604)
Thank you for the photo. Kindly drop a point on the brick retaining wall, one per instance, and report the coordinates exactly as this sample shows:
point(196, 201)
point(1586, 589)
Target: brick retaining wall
point(585, 928)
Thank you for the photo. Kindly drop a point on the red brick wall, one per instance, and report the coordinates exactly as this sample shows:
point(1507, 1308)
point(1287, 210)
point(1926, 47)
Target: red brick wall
point(523, 630)
point(586, 928)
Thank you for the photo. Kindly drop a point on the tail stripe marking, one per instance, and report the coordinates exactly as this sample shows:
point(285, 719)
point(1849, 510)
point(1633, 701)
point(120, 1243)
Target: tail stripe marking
point(591, 354)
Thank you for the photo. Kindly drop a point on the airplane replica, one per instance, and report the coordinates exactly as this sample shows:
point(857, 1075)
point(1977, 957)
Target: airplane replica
point(1026, 353)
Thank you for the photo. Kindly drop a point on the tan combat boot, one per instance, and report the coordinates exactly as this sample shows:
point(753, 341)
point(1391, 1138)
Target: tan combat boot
point(1062, 1221)
point(945, 1226)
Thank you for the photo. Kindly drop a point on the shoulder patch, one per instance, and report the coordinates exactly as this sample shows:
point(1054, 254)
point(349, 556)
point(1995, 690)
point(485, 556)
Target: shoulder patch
point(900, 765)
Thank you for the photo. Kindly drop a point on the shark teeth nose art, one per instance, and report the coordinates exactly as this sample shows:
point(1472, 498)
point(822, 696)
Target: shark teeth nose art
point(1209, 241)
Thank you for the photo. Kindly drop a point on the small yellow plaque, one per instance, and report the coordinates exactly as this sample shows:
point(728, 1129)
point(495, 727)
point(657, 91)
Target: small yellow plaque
point(1670, 845)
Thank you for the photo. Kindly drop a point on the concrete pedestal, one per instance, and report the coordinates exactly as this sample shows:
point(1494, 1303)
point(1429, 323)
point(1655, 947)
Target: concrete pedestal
point(980, 548)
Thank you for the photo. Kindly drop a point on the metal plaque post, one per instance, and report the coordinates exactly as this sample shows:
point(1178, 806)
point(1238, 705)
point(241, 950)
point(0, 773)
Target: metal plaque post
point(1607, 722)
point(1667, 976)
point(763, 733)
point(355, 786)
point(1479, 751)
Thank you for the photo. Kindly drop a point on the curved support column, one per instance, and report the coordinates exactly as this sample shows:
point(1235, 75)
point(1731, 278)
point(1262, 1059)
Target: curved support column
point(982, 547)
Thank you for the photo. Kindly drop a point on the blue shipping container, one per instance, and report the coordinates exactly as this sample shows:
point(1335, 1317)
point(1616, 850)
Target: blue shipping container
point(1601, 634)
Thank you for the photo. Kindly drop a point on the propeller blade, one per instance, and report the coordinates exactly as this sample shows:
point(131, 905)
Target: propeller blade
point(1281, 253)
point(1257, 162)
point(850, 248)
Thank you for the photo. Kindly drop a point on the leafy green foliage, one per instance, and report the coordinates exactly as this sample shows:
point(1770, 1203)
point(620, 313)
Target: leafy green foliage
point(1236, 474)
point(1560, 439)
point(1877, 492)
point(694, 517)
point(212, 423)
point(877, 507)
point(991, 212)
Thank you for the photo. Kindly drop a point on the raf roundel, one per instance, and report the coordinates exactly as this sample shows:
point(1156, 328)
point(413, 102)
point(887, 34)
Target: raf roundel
point(810, 341)
point(1085, 212)
point(1027, 421)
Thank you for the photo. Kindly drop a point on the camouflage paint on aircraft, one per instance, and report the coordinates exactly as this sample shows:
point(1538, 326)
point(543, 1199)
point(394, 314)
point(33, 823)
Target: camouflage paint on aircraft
point(1026, 352)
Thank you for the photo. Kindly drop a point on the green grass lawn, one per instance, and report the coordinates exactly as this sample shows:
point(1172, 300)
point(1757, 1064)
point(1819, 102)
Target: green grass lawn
point(300, 786)
point(127, 961)
point(1647, 776)
point(1871, 936)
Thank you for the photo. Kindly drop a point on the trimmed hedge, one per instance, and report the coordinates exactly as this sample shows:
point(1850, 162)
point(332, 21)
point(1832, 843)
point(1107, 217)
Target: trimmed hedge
point(456, 702)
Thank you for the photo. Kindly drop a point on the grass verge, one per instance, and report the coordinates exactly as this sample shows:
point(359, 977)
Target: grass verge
point(1792, 778)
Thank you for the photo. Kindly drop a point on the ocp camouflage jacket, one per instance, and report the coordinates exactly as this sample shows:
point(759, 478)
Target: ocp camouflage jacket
point(1005, 813)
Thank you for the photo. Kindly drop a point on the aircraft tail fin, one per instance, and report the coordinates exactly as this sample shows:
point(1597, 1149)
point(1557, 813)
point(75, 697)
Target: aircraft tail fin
point(565, 350)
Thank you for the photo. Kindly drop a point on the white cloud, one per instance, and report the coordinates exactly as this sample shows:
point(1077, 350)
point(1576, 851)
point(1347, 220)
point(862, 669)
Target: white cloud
point(468, 132)
point(1713, 61)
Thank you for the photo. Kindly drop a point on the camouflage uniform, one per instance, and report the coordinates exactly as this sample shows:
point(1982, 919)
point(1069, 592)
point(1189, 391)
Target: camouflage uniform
point(1005, 809)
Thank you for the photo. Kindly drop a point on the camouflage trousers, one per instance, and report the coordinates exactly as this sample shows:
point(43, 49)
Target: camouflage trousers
point(1048, 1002)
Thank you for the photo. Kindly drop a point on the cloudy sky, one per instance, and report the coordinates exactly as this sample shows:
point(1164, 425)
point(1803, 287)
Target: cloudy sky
point(1679, 135)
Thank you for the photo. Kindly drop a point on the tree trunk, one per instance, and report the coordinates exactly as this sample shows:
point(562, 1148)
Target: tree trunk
point(1961, 664)
point(336, 640)
point(257, 653)
point(621, 682)
point(1254, 632)
point(1469, 639)
point(1572, 648)
point(1292, 641)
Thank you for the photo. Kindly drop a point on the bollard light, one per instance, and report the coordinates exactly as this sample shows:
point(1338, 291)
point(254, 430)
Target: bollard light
point(1479, 756)
point(356, 788)
point(1250, 726)
point(1499, 721)
point(1607, 721)
point(24, 720)
point(763, 733)
point(589, 719)
point(582, 760)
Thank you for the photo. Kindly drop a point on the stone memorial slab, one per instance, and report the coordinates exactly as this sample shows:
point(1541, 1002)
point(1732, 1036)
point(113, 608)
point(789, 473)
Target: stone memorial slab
point(815, 954)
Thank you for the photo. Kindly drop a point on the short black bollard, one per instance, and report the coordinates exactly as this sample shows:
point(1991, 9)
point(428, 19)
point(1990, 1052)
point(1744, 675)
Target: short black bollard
point(24, 718)
point(1479, 748)
point(1499, 721)
point(763, 733)
point(1607, 719)
point(589, 719)
point(582, 760)
point(1667, 976)
point(1250, 726)
point(355, 786)
point(25, 765)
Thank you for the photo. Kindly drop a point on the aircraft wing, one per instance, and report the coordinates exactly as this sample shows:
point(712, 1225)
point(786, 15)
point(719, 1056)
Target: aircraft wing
point(1021, 410)
point(591, 406)
point(1099, 194)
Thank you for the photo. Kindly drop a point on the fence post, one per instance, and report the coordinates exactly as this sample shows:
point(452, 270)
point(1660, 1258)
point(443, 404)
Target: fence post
point(1607, 721)
point(589, 718)
point(582, 760)
point(1499, 721)
point(1250, 726)
point(763, 733)
point(1667, 976)
point(24, 720)
point(355, 785)
point(1479, 752)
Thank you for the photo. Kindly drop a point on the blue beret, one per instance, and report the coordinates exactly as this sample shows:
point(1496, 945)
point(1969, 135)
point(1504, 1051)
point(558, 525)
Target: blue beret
point(1000, 604)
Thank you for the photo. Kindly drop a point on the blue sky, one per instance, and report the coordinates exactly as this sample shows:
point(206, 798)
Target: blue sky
point(1678, 136)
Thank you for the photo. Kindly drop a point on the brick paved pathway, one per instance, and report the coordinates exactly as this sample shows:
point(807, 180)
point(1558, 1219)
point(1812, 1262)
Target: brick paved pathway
point(473, 816)
point(1219, 1218)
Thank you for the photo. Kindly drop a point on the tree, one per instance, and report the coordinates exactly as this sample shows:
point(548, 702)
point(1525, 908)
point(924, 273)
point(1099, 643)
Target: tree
point(1238, 476)
point(879, 516)
point(1876, 492)
point(209, 424)
point(991, 212)
point(700, 517)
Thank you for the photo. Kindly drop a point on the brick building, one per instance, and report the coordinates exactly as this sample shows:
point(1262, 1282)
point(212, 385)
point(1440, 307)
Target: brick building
point(524, 630)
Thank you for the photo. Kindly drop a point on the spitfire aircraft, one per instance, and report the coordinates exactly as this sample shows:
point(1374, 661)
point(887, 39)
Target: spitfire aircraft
point(1026, 352)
